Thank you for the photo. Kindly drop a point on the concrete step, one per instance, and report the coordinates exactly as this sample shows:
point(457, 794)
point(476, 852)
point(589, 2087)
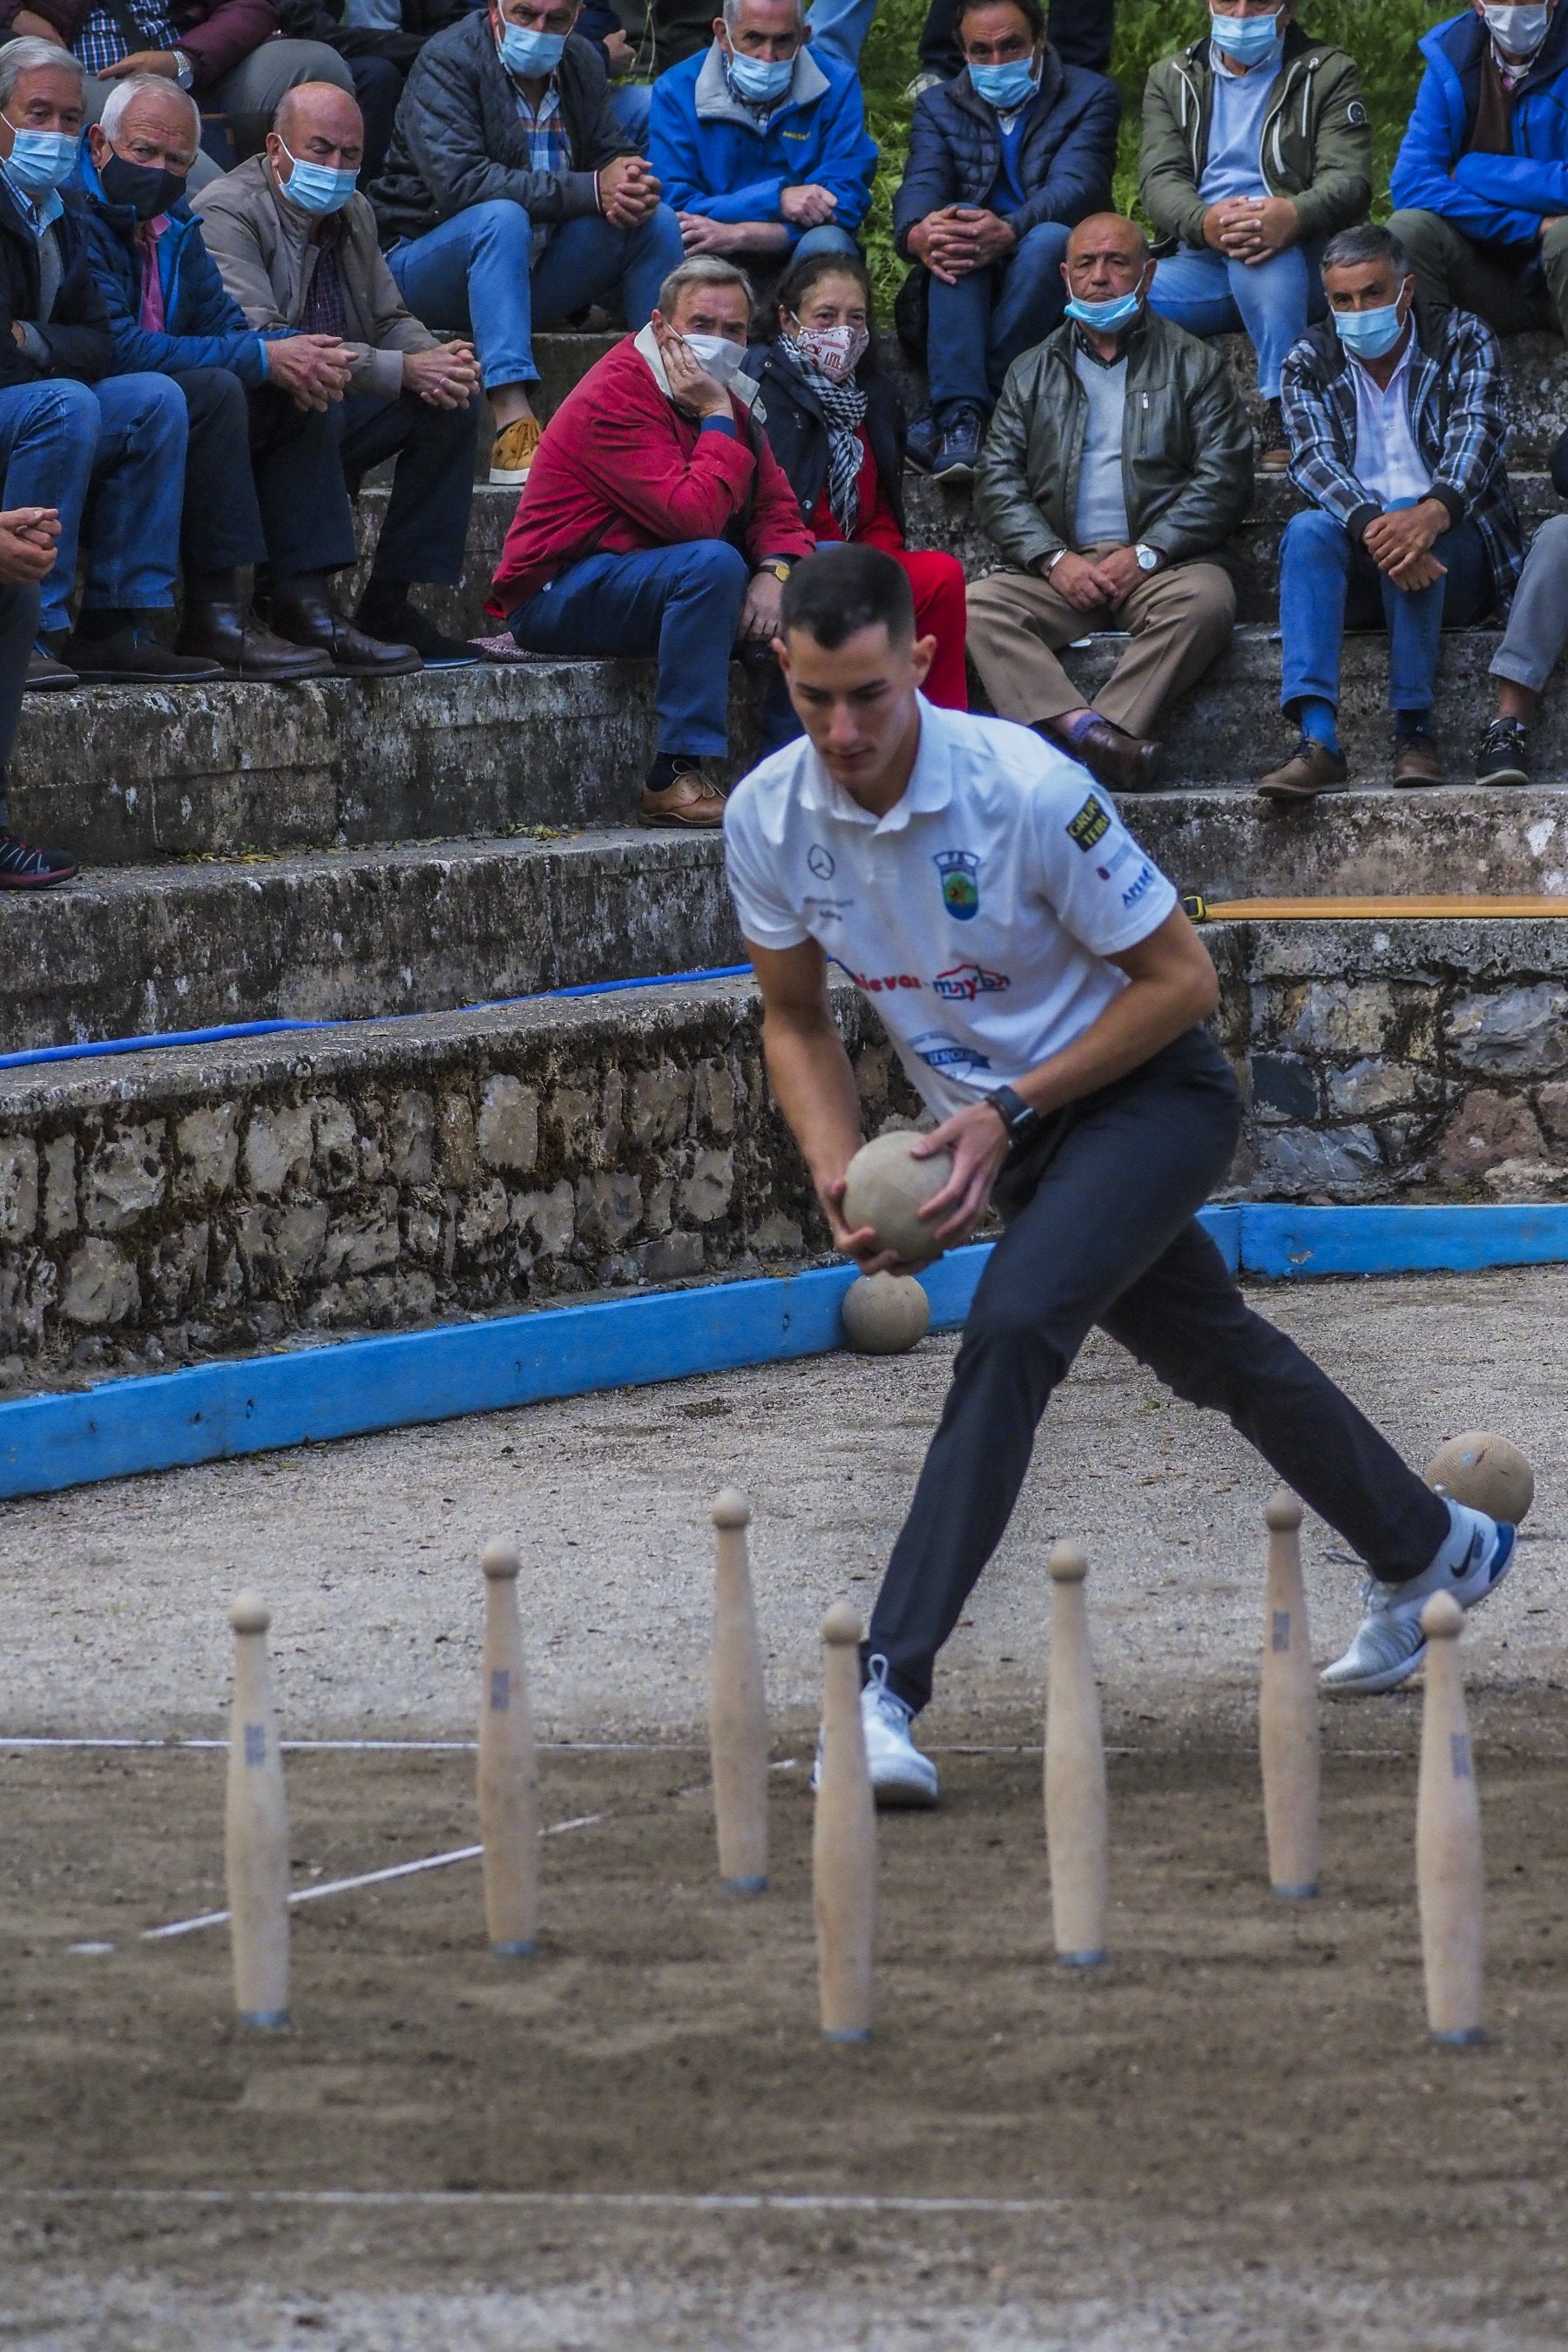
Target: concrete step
point(353, 935)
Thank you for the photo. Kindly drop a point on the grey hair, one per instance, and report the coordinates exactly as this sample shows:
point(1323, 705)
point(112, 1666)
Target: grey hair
point(1353, 249)
point(703, 269)
point(27, 55)
point(122, 95)
point(732, 11)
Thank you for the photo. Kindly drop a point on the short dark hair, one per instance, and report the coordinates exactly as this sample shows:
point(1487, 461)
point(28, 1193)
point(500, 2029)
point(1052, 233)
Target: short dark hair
point(803, 276)
point(1355, 248)
point(840, 591)
point(1032, 13)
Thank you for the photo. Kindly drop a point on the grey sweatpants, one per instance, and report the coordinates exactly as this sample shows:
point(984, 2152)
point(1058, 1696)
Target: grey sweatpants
point(1538, 625)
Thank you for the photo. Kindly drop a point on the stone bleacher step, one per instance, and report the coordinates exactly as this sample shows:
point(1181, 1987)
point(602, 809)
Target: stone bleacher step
point(346, 935)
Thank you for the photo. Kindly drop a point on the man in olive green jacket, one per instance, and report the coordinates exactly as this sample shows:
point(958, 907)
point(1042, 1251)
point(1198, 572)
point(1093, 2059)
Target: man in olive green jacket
point(1256, 150)
point(1118, 457)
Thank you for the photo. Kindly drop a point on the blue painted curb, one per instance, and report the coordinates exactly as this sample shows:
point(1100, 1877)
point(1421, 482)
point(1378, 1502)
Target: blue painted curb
point(213, 1412)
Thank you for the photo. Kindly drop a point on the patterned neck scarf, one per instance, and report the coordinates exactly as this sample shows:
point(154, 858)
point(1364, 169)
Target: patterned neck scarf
point(843, 407)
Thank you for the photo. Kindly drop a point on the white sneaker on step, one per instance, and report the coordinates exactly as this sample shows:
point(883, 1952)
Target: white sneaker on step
point(1389, 1644)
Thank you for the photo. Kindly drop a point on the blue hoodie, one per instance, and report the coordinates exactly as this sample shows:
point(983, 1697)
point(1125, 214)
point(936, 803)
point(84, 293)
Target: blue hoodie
point(204, 325)
point(1493, 199)
point(714, 158)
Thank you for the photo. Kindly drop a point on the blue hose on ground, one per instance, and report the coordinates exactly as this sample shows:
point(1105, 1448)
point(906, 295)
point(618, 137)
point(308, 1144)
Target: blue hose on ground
point(101, 1045)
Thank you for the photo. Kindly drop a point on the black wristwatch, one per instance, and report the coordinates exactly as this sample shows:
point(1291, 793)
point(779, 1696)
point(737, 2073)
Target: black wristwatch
point(1020, 1119)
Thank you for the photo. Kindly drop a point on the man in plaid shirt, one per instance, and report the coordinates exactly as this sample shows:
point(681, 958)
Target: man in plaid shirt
point(1397, 435)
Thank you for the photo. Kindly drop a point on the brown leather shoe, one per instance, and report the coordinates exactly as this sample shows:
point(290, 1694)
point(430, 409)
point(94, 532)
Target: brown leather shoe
point(1417, 759)
point(228, 633)
point(1273, 441)
point(693, 803)
point(46, 674)
point(1312, 768)
point(1125, 763)
point(306, 617)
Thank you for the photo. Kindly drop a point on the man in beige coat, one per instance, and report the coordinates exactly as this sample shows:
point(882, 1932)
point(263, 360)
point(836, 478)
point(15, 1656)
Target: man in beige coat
point(298, 251)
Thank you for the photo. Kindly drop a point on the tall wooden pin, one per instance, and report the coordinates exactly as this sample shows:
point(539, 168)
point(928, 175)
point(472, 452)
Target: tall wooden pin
point(509, 1792)
point(738, 1706)
point(1288, 1713)
point(844, 1839)
point(255, 1828)
point(1076, 1807)
point(1448, 1871)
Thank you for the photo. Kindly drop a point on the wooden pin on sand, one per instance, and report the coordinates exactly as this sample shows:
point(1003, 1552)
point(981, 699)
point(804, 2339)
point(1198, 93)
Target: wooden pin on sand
point(1077, 1808)
point(844, 1839)
point(1448, 1870)
point(738, 1706)
point(508, 1778)
point(1288, 1713)
point(255, 1828)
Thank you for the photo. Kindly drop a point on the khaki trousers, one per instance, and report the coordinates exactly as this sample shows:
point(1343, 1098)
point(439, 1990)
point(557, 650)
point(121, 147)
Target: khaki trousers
point(1180, 622)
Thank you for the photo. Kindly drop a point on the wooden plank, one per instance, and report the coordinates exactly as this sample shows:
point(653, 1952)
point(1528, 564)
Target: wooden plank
point(1383, 910)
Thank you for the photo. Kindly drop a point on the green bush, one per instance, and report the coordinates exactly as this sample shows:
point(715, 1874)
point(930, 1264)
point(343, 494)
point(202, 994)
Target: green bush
point(1381, 33)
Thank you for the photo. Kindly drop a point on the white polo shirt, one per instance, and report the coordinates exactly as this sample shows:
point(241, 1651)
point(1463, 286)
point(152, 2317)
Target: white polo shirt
point(977, 914)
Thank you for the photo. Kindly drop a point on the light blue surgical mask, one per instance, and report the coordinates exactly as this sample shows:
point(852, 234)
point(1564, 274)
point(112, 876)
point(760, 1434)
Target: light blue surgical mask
point(1518, 31)
point(530, 55)
point(41, 162)
point(317, 187)
point(1370, 334)
point(1008, 87)
point(1248, 39)
point(1106, 317)
point(764, 81)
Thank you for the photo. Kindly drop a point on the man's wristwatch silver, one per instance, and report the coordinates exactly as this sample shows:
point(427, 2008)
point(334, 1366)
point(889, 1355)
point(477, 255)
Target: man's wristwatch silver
point(184, 71)
point(1020, 1119)
point(1148, 557)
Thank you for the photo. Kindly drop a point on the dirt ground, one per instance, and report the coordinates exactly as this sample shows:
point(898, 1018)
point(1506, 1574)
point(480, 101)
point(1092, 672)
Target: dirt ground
point(1237, 2135)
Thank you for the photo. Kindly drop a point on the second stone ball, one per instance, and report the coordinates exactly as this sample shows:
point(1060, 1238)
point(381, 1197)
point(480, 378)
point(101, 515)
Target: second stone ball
point(885, 1314)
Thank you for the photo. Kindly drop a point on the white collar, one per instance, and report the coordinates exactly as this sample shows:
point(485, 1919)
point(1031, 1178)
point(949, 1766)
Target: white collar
point(741, 387)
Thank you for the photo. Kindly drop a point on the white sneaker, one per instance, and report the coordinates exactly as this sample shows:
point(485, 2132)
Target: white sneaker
point(901, 1775)
point(1389, 1644)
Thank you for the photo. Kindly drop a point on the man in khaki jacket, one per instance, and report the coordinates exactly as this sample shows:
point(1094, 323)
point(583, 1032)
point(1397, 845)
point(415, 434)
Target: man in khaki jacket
point(1118, 458)
point(298, 250)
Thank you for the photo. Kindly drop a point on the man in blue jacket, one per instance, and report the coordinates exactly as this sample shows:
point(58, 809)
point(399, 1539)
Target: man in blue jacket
point(1005, 161)
point(762, 149)
point(1481, 183)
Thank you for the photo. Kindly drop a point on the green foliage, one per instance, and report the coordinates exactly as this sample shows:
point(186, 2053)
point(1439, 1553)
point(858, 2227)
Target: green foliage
point(1381, 35)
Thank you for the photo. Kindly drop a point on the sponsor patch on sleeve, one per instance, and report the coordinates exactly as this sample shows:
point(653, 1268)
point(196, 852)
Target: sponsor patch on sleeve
point(1092, 825)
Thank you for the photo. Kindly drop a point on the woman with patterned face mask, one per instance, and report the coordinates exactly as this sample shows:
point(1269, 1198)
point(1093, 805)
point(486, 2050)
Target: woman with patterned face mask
point(837, 426)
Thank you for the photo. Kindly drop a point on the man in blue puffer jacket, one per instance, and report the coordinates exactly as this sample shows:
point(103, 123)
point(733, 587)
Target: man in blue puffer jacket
point(1481, 183)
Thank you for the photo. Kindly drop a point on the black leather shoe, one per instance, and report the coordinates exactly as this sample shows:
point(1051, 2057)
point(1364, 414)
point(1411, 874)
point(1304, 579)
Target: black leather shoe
point(434, 648)
point(310, 620)
point(133, 657)
point(229, 634)
point(46, 674)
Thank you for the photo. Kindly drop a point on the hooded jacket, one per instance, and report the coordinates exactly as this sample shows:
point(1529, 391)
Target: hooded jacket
point(714, 157)
point(1065, 160)
point(1494, 199)
point(203, 326)
point(1317, 139)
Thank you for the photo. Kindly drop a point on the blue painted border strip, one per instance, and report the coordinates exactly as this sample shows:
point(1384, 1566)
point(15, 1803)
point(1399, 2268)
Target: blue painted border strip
point(213, 1412)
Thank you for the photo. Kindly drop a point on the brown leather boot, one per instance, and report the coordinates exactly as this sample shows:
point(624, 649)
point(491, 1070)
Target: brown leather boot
point(1312, 768)
point(692, 803)
point(1273, 441)
point(1417, 759)
point(1124, 764)
point(305, 616)
point(227, 632)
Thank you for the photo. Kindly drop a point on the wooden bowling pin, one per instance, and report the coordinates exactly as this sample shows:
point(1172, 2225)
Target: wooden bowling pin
point(1288, 1713)
point(508, 1785)
point(844, 1839)
point(255, 1828)
point(738, 1707)
point(1448, 1874)
point(1075, 1802)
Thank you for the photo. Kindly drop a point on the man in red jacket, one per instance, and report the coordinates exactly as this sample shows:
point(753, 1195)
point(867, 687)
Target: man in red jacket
point(657, 520)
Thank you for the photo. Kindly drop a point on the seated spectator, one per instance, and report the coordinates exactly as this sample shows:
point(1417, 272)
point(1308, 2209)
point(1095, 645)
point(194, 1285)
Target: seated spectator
point(1533, 643)
point(1119, 462)
point(28, 537)
point(73, 438)
point(1080, 30)
point(1398, 435)
point(641, 39)
point(1482, 180)
point(658, 521)
point(1256, 147)
point(512, 198)
point(837, 426)
point(762, 149)
point(223, 51)
point(1003, 161)
point(378, 40)
point(353, 379)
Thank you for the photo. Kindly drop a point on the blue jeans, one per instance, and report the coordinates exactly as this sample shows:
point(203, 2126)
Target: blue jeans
point(977, 327)
point(111, 458)
point(681, 604)
point(477, 275)
point(840, 27)
point(631, 103)
point(1274, 303)
point(1326, 586)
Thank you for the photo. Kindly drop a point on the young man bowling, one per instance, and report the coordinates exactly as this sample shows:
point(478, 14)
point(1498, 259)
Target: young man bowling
point(1046, 994)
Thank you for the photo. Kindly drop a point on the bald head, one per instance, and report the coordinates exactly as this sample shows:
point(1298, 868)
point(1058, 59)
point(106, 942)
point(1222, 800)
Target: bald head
point(318, 123)
point(1107, 232)
point(1108, 260)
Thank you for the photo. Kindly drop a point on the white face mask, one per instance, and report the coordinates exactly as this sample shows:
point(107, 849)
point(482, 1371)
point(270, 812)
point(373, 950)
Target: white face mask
point(715, 355)
point(1518, 31)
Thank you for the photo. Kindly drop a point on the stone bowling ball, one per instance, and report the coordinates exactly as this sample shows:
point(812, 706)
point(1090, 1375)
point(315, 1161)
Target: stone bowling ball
point(1485, 1471)
point(885, 1314)
point(884, 1188)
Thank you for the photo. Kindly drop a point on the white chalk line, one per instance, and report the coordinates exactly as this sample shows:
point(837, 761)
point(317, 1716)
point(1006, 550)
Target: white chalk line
point(363, 1878)
point(550, 2200)
point(365, 1746)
